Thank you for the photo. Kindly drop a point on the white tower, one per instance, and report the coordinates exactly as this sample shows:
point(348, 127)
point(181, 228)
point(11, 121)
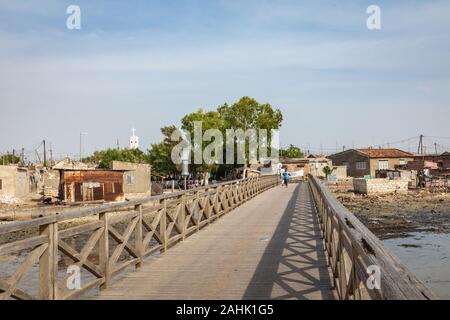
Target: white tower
point(134, 140)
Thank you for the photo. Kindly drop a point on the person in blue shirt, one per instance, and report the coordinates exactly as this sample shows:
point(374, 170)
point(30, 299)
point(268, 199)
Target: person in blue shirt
point(286, 176)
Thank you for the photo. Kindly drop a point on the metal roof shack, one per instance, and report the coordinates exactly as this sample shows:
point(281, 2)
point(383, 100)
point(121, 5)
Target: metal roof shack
point(91, 185)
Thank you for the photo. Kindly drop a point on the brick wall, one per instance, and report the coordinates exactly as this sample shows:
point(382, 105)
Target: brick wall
point(374, 186)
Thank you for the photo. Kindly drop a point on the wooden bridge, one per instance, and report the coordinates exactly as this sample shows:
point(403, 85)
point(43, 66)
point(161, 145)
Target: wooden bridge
point(247, 239)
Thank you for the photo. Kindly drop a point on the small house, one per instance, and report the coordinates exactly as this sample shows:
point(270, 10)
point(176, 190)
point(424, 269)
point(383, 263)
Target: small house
point(91, 185)
point(365, 162)
point(136, 179)
point(14, 181)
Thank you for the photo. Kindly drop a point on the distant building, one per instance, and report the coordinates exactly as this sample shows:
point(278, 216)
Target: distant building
point(134, 140)
point(442, 160)
point(366, 162)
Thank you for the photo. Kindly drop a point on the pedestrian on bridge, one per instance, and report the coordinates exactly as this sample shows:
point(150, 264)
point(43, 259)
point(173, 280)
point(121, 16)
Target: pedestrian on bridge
point(286, 176)
point(281, 173)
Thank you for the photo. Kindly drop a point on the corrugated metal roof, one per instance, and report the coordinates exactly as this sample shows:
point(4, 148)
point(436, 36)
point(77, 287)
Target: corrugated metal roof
point(386, 153)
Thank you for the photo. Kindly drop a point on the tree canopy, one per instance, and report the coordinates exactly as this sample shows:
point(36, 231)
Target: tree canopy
point(104, 158)
point(159, 155)
point(291, 152)
point(245, 114)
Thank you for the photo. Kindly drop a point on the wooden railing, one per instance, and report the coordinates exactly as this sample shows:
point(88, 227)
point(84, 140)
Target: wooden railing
point(362, 267)
point(110, 239)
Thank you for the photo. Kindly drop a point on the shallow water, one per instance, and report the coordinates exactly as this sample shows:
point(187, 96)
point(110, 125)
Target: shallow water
point(427, 255)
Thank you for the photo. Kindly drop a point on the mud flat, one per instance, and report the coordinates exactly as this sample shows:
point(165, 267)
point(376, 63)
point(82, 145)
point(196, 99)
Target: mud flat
point(396, 215)
point(414, 226)
point(427, 255)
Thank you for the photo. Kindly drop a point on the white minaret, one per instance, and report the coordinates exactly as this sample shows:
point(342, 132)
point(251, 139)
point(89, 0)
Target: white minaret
point(134, 140)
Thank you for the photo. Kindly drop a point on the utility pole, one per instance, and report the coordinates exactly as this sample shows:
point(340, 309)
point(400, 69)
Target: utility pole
point(81, 144)
point(14, 156)
point(51, 155)
point(22, 156)
point(45, 154)
point(343, 148)
point(420, 148)
point(435, 148)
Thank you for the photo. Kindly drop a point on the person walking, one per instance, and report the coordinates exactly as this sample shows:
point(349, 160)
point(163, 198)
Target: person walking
point(281, 173)
point(286, 176)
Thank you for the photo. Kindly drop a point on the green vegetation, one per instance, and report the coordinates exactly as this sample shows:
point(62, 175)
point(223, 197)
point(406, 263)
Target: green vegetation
point(9, 159)
point(159, 155)
point(104, 158)
point(245, 114)
point(291, 152)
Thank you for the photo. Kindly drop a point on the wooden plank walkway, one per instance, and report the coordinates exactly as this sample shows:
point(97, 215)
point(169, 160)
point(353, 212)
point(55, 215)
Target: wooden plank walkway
point(269, 248)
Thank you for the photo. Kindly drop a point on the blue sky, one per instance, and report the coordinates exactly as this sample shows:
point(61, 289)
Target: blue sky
point(145, 64)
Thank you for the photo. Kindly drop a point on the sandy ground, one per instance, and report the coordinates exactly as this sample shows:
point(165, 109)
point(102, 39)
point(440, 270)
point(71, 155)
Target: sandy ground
point(395, 214)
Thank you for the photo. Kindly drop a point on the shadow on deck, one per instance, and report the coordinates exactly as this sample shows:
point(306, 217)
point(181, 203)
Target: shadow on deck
point(294, 265)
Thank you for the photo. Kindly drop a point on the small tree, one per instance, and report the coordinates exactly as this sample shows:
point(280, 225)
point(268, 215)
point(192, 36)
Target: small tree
point(327, 171)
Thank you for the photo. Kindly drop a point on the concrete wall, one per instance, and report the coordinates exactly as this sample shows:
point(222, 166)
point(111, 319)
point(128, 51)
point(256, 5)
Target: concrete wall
point(378, 186)
point(8, 177)
point(50, 183)
point(316, 168)
point(15, 181)
point(340, 172)
point(137, 180)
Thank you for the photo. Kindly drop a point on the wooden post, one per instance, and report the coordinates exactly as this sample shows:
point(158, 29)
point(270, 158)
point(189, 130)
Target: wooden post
point(48, 263)
point(208, 208)
point(163, 227)
point(104, 249)
point(138, 237)
point(183, 216)
point(216, 202)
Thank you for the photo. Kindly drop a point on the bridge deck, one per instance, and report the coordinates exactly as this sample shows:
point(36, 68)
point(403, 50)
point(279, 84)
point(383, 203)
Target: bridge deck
point(269, 248)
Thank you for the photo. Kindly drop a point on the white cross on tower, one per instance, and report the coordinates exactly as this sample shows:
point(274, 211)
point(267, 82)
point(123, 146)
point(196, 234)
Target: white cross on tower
point(134, 140)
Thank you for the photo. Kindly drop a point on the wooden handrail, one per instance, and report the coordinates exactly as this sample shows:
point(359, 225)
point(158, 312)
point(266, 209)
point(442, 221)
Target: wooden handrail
point(149, 225)
point(354, 253)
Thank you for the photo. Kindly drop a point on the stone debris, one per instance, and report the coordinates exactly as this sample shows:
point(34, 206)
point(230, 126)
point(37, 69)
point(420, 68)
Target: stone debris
point(5, 199)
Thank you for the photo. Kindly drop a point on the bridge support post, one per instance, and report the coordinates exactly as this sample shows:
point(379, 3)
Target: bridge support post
point(138, 237)
point(163, 226)
point(183, 217)
point(104, 250)
point(48, 266)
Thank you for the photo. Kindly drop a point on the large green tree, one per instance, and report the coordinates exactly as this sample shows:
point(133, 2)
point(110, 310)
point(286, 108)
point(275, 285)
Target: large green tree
point(159, 155)
point(209, 120)
point(248, 113)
